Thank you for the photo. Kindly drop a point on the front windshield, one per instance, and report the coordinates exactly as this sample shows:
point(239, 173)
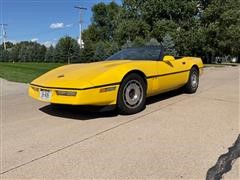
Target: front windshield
point(144, 53)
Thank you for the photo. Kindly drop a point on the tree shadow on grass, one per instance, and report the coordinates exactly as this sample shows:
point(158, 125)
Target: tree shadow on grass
point(93, 112)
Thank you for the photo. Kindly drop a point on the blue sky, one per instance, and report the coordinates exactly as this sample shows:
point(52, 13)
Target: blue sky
point(44, 21)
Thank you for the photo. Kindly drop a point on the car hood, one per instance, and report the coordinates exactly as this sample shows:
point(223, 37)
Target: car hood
point(77, 75)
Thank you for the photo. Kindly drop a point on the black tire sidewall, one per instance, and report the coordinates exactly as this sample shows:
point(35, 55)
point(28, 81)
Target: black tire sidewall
point(189, 88)
point(122, 108)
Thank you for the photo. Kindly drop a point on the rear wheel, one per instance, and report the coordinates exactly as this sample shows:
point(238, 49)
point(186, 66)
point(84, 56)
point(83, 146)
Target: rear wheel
point(132, 95)
point(193, 81)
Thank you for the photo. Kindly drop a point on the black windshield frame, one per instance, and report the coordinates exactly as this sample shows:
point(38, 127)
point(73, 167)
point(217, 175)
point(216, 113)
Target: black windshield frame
point(150, 53)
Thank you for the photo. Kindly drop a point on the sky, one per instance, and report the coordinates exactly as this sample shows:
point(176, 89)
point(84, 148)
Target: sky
point(44, 21)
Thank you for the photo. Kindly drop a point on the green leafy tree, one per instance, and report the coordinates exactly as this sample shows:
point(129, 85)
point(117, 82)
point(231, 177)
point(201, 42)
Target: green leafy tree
point(101, 31)
point(139, 42)
point(100, 51)
point(14, 53)
point(169, 45)
point(205, 28)
point(130, 30)
point(128, 44)
point(132, 9)
point(23, 56)
point(67, 50)
point(8, 45)
point(27, 52)
point(153, 42)
point(4, 55)
point(104, 20)
point(49, 56)
point(104, 49)
point(161, 27)
point(221, 20)
point(152, 11)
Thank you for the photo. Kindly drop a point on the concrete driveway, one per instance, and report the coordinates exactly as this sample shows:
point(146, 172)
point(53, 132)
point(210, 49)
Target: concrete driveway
point(177, 136)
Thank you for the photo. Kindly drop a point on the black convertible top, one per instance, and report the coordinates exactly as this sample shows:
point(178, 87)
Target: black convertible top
point(152, 53)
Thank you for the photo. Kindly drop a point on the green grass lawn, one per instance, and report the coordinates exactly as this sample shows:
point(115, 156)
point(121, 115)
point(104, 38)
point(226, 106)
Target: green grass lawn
point(24, 72)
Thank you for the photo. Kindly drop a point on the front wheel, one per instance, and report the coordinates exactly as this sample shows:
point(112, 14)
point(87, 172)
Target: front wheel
point(193, 81)
point(132, 95)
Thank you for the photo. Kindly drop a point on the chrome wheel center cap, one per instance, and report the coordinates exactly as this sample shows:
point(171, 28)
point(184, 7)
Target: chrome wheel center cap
point(133, 94)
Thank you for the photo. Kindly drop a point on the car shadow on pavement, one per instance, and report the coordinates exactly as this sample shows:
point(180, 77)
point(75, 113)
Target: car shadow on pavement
point(92, 112)
point(78, 112)
point(164, 96)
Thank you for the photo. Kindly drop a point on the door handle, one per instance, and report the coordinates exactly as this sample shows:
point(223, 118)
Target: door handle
point(183, 63)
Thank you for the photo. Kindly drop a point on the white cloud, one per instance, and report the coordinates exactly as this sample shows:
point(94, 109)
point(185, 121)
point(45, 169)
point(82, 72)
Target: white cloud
point(49, 43)
point(13, 41)
point(57, 25)
point(69, 25)
point(34, 39)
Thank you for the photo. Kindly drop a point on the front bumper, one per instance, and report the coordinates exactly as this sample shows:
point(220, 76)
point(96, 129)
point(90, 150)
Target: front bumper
point(94, 96)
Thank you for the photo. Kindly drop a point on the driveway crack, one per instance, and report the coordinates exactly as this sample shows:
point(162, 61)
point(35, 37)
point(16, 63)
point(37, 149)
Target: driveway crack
point(225, 162)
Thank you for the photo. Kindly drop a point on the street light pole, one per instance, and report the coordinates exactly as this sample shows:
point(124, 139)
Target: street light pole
point(81, 9)
point(4, 35)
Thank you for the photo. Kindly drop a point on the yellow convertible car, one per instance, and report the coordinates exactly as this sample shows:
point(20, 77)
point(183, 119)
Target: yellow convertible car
point(124, 79)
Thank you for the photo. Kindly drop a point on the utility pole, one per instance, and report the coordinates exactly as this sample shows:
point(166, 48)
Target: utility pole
point(4, 35)
point(81, 10)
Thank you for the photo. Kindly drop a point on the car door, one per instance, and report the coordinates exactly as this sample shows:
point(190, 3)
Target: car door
point(172, 74)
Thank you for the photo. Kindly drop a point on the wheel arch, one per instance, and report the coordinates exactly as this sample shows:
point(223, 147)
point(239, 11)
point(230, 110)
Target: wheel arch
point(195, 66)
point(140, 73)
point(119, 101)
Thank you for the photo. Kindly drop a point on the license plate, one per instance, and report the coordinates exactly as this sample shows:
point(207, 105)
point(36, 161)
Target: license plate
point(45, 95)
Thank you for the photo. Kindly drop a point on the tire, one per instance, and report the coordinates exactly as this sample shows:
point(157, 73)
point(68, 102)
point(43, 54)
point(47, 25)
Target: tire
point(193, 81)
point(132, 95)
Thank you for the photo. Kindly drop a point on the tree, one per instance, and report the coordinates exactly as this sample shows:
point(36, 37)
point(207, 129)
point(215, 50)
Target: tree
point(169, 45)
point(130, 30)
point(27, 52)
point(152, 11)
point(128, 44)
point(100, 51)
point(153, 42)
point(104, 49)
point(4, 55)
point(104, 20)
point(8, 45)
point(157, 18)
point(49, 56)
point(67, 50)
point(161, 27)
point(22, 56)
point(132, 9)
point(222, 28)
point(14, 53)
point(101, 32)
point(204, 28)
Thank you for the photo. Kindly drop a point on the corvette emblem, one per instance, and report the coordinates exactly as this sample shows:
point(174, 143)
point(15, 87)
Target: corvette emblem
point(61, 76)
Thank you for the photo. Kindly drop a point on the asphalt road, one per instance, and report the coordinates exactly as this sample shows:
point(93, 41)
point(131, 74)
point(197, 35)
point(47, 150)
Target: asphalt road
point(177, 136)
